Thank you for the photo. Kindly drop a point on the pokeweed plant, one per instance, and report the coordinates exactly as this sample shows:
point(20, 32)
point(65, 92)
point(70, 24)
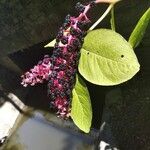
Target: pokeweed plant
point(101, 56)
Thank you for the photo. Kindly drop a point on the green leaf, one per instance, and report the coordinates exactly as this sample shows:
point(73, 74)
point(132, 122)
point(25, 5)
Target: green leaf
point(107, 58)
point(81, 111)
point(139, 30)
point(51, 44)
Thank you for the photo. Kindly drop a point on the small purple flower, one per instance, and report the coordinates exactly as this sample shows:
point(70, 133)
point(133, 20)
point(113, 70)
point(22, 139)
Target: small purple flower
point(63, 107)
point(37, 74)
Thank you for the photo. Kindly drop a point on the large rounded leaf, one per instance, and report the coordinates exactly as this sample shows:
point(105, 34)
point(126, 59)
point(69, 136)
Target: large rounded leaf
point(107, 58)
point(81, 111)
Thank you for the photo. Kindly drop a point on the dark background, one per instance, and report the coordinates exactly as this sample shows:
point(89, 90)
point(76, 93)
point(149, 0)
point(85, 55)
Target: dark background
point(26, 26)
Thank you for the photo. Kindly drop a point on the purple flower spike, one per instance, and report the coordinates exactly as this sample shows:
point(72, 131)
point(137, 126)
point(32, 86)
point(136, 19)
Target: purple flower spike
point(60, 70)
point(37, 74)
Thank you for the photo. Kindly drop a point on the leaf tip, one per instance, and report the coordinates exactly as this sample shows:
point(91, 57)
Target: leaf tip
point(51, 44)
point(107, 1)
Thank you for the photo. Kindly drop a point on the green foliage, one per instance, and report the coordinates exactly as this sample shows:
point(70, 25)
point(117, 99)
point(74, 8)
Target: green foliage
point(107, 58)
point(140, 29)
point(81, 111)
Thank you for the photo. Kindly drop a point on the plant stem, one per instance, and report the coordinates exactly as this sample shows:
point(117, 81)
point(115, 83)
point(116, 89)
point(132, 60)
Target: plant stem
point(102, 17)
point(112, 20)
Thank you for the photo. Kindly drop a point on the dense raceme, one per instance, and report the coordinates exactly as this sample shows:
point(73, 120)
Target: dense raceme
point(60, 69)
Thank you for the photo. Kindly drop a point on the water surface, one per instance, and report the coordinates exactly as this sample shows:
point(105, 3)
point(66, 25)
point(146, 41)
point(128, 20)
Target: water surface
point(43, 131)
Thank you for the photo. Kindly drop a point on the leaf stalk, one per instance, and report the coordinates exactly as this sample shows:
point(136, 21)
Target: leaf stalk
point(102, 17)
